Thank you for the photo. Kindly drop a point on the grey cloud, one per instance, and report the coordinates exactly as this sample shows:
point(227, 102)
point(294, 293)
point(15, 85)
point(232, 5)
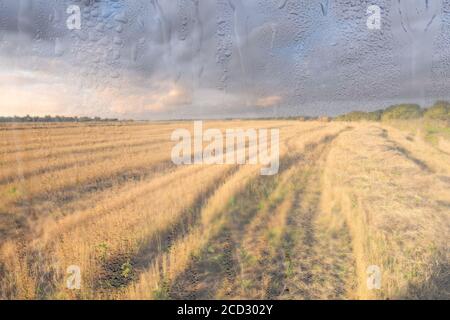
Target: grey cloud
point(318, 56)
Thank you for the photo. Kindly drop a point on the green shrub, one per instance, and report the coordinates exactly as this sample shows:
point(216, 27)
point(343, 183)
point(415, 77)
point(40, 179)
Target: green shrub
point(439, 111)
point(402, 112)
point(375, 115)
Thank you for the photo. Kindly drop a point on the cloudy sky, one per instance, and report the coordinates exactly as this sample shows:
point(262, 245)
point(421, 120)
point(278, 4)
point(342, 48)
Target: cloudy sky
point(166, 59)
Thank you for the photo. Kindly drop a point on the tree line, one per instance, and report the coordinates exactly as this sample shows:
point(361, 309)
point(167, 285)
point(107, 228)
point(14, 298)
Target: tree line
point(439, 111)
point(54, 119)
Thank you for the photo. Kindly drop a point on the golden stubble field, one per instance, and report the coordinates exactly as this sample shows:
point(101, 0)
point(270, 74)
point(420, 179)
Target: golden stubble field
point(108, 199)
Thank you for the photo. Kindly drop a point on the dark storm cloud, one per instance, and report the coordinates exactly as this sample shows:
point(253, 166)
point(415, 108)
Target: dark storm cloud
point(207, 58)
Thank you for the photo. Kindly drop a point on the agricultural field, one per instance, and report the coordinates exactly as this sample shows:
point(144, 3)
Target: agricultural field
point(107, 198)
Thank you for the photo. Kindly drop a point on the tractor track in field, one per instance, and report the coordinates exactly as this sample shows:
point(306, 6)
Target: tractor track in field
point(112, 278)
point(294, 269)
point(318, 264)
point(217, 263)
point(30, 209)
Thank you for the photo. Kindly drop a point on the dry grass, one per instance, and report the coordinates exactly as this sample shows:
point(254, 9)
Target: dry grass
point(107, 198)
point(397, 210)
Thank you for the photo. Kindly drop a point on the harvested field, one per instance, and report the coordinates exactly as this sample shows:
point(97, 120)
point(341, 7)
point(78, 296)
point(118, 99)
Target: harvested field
point(108, 199)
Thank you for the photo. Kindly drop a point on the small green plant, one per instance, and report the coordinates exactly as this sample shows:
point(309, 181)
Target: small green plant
point(246, 257)
point(289, 269)
point(271, 235)
point(220, 259)
point(210, 249)
point(261, 205)
point(274, 237)
point(246, 284)
point(162, 292)
point(126, 269)
point(103, 249)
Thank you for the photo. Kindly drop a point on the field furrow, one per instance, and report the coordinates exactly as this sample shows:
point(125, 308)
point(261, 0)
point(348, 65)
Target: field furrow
point(396, 223)
point(318, 258)
point(108, 199)
point(220, 271)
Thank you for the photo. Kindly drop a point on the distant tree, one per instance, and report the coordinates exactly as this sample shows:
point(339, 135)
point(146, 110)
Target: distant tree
point(375, 115)
point(402, 112)
point(48, 118)
point(439, 111)
point(361, 116)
